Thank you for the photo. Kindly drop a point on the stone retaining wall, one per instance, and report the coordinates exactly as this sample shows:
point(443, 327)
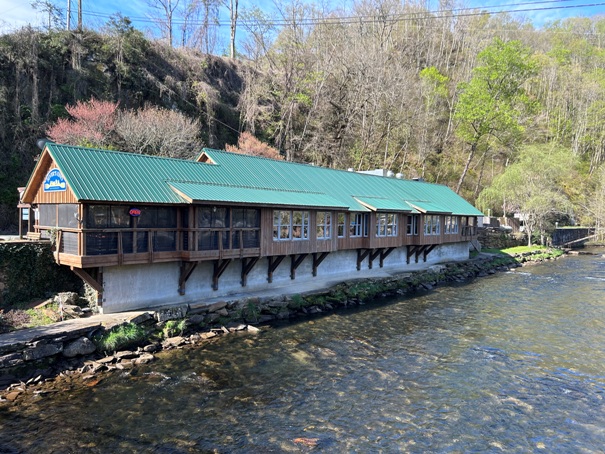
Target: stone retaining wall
point(500, 239)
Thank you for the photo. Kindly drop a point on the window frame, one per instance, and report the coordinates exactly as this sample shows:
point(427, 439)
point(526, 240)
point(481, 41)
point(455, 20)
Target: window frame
point(280, 227)
point(432, 225)
point(412, 225)
point(386, 225)
point(342, 226)
point(325, 226)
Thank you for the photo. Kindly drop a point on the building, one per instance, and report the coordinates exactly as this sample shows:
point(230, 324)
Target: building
point(146, 231)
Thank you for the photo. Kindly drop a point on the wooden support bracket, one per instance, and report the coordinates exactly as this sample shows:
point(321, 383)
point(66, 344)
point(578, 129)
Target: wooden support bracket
point(317, 261)
point(373, 255)
point(219, 268)
point(384, 254)
point(419, 250)
point(186, 271)
point(361, 256)
point(247, 265)
point(82, 274)
point(411, 250)
point(295, 263)
point(428, 249)
point(274, 262)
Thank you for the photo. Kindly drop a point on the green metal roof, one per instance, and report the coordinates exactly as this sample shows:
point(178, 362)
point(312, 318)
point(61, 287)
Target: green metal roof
point(383, 204)
point(424, 206)
point(201, 192)
point(102, 175)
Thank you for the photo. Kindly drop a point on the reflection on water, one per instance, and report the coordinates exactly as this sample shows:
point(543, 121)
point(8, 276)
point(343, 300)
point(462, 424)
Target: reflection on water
point(513, 362)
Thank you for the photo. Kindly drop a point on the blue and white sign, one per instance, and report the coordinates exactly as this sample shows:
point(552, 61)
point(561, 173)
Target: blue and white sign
point(54, 181)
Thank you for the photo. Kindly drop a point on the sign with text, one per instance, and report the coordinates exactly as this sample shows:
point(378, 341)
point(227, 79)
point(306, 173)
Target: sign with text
point(135, 212)
point(54, 181)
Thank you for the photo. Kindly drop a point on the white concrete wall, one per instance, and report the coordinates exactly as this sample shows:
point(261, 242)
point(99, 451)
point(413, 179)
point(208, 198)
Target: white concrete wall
point(143, 286)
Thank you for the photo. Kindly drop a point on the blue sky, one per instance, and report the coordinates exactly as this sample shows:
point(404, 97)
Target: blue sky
point(16, 13)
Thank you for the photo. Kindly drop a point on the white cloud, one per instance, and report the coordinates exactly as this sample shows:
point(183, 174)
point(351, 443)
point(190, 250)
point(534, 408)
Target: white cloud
point(15, 14)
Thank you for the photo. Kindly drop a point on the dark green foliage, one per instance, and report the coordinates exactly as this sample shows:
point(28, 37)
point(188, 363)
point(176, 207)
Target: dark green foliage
point(30, 272)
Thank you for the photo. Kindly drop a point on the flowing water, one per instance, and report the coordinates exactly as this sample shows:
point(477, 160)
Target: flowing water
point(510, 363)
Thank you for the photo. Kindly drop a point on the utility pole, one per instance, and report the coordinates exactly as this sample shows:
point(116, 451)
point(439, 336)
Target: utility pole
point(68, 14)
point(79, 15)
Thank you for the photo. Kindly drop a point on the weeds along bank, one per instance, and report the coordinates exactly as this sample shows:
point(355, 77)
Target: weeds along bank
point(30, 367)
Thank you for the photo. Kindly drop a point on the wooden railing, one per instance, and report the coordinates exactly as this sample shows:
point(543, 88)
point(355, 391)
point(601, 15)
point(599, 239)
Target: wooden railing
point(92, 242)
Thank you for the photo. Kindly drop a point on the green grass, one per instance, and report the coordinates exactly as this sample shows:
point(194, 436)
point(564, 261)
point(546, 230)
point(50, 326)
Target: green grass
point(121, 337)
point(522, 249)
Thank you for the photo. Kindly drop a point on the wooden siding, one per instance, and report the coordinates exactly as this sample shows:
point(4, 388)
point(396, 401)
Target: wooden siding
point(66, 196)
point(267, 247)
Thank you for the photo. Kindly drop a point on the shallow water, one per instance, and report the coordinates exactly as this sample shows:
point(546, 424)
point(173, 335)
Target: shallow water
point(514, 362)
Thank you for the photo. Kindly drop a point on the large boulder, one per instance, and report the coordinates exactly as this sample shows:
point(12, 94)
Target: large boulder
point(79, 347)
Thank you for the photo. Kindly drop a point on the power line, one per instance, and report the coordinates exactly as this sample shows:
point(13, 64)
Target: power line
point(369, 19)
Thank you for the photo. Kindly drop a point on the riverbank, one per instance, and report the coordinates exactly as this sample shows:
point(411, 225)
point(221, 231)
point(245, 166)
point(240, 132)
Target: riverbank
point(37, 362)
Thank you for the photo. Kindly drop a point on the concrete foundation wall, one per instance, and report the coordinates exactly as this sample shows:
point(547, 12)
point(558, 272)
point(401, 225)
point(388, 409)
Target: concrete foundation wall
point(144, 286)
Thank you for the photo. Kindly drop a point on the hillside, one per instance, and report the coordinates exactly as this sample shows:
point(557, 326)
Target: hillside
point(452, 99)
point(42, 72)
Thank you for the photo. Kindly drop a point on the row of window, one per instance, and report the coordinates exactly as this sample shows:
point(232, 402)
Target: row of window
point(294, 225)
point(287, 224)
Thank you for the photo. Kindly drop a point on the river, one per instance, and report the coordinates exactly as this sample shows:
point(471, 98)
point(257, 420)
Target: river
point(514, 362)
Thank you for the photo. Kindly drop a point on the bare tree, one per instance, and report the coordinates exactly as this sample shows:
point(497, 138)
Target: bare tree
point(165, 18)
point(55, 14)
point(160, 132)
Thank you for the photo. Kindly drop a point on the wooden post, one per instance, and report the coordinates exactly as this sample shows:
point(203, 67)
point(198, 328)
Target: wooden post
point(374, 255)
point(361, 257)
point(186, 271)
point(274, 262)
point(384, 254)
point(219, 268)
point(317, 261)
point(295, 263)
point(247, 265)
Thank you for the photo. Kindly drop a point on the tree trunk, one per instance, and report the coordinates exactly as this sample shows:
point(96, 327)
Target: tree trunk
point(466, 167)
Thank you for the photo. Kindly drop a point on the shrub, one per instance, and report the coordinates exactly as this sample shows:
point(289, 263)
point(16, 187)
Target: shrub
point(174, 327)
point(121, 337)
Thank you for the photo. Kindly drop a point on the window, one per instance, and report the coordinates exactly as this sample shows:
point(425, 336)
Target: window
point(431, 225)
point(386, 224)
point(48, 215)
point(412, 226)
point(342, 221)
point(290, 225)
point(451, 225)
point(358, 225)
point(213, 217)
point(68, 215)
point(300, 225)
point(324, 225)
point(246, 218)
point(97, 216)
point(246, 223)
point(282, 225)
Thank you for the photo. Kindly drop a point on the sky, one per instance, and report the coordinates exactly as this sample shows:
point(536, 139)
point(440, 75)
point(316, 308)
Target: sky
point(17, 13)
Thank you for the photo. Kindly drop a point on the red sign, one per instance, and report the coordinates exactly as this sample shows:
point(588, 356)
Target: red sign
point(135, 212)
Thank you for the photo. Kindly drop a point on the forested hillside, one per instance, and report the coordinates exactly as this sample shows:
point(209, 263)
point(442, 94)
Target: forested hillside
point(458, 100)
